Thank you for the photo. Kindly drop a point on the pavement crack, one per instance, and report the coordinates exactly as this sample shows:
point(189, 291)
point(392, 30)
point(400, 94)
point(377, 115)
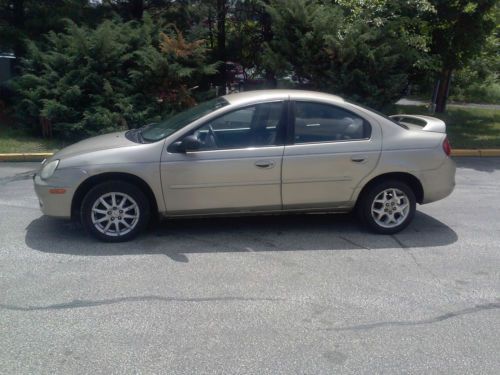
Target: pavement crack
point(353, 243)
point(437, 319)
point(407, 250)
point(76, 304)
point(401, 244)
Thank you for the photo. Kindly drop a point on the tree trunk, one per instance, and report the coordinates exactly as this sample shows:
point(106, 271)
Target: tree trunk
point(136, 9)
point(210, 28)
point(267, 36)
point(18, 18)
point(18, 13)
point(442, 95)
point(221, 40)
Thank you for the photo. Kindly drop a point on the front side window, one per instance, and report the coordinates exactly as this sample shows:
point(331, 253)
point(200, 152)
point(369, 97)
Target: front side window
point(254, 126)
point(170, 125)
point(318, 122)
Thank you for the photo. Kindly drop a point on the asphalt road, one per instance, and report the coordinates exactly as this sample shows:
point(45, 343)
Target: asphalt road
point(308, 294)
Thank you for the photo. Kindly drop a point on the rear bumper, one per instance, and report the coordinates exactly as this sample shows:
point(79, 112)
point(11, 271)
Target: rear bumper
point(53, 201)
point(438, 183)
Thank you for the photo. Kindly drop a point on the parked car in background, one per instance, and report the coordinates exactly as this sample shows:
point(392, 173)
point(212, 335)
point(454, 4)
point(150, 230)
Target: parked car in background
point(240, 79)
point(274, 151)
point(235, 74)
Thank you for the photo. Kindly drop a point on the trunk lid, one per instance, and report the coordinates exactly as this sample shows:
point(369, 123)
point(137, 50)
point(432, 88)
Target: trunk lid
point(419, 122)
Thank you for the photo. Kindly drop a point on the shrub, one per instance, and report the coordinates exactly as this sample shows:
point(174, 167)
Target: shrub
point(117, 76)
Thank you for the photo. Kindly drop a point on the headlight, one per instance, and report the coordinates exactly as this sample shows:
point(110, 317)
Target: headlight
point(49, 169)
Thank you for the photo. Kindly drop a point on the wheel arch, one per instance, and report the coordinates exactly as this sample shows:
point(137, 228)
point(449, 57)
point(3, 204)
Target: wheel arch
point(92, 181)
point(412, 181)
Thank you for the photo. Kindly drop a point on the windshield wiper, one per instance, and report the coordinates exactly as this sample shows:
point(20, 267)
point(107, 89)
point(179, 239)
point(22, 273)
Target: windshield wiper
point(135, 135)
point(143, 128)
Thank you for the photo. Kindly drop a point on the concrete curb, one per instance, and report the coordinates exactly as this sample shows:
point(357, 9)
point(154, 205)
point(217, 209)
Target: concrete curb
point(481, 153)
point(39, 156)
point(27, 156)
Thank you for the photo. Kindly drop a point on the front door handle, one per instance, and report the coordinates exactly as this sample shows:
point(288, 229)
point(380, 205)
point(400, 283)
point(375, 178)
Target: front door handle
point(264, 164)
point(358, 158)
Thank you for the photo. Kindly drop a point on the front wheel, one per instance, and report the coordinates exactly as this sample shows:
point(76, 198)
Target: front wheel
point(387, 207)
point(115, 211)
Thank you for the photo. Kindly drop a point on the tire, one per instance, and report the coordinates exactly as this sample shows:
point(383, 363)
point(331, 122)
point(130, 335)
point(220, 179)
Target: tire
point(115, 211)
point(387, 207)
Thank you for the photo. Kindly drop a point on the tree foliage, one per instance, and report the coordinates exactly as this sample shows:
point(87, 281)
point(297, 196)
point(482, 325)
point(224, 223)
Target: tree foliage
point(479, 80)
point(28, 20)
point(92, 66)
point(119, 75)
point(460, 28)
point(366, 56)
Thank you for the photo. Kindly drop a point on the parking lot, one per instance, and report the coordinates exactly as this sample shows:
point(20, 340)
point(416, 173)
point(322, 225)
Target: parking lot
point(307, 294)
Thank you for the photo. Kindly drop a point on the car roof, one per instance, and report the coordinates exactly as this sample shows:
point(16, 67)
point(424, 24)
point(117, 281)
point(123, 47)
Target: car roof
point(264, 95)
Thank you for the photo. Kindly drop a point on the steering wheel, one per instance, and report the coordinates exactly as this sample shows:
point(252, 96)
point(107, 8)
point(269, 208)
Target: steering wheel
point(211, 132)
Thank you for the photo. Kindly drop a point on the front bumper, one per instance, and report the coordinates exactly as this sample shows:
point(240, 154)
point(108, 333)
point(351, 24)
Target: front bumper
point(53, 201)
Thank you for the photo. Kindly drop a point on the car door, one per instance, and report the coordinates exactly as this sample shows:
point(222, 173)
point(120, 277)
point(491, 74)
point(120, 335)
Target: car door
point(237, 168)
point(331, 149)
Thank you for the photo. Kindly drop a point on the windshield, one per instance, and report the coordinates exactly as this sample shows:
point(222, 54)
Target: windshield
point(170, 125)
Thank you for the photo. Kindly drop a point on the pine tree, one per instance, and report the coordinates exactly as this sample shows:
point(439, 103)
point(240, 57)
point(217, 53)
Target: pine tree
point(365, 54)
point(117, 76)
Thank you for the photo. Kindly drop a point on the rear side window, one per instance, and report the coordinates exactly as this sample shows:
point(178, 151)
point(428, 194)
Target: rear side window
point(318, 122)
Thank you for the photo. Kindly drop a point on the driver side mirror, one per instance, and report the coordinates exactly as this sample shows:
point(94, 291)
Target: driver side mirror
point(189, 144)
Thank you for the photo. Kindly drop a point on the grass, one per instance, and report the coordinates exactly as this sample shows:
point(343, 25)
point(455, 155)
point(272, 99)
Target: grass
point(469, 128)
point(16, 140)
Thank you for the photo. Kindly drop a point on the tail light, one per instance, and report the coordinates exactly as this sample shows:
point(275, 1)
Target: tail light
point(446, 147)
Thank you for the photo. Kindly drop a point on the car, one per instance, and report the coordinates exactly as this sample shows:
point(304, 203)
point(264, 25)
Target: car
point(258, 152)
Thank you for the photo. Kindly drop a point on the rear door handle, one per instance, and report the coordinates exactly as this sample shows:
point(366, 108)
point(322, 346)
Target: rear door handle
point(264, 164)
point(358, 158)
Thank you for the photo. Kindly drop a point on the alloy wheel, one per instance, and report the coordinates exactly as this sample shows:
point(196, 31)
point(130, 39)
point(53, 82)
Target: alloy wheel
point(390, 208)
point(115, 214)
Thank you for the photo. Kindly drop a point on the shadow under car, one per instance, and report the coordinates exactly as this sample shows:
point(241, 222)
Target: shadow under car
point(179, 237)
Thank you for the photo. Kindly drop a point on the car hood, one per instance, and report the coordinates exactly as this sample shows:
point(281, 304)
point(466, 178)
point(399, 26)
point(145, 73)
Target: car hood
point(101, 142)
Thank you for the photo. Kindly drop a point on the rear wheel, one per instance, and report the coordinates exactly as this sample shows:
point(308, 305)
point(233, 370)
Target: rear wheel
point(387, 207)
point(115, 211)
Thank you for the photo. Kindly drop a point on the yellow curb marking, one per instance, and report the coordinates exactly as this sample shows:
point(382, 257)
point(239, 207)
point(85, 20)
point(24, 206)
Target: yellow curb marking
point(461, 152)
point(32, 156)
point(490, 152)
